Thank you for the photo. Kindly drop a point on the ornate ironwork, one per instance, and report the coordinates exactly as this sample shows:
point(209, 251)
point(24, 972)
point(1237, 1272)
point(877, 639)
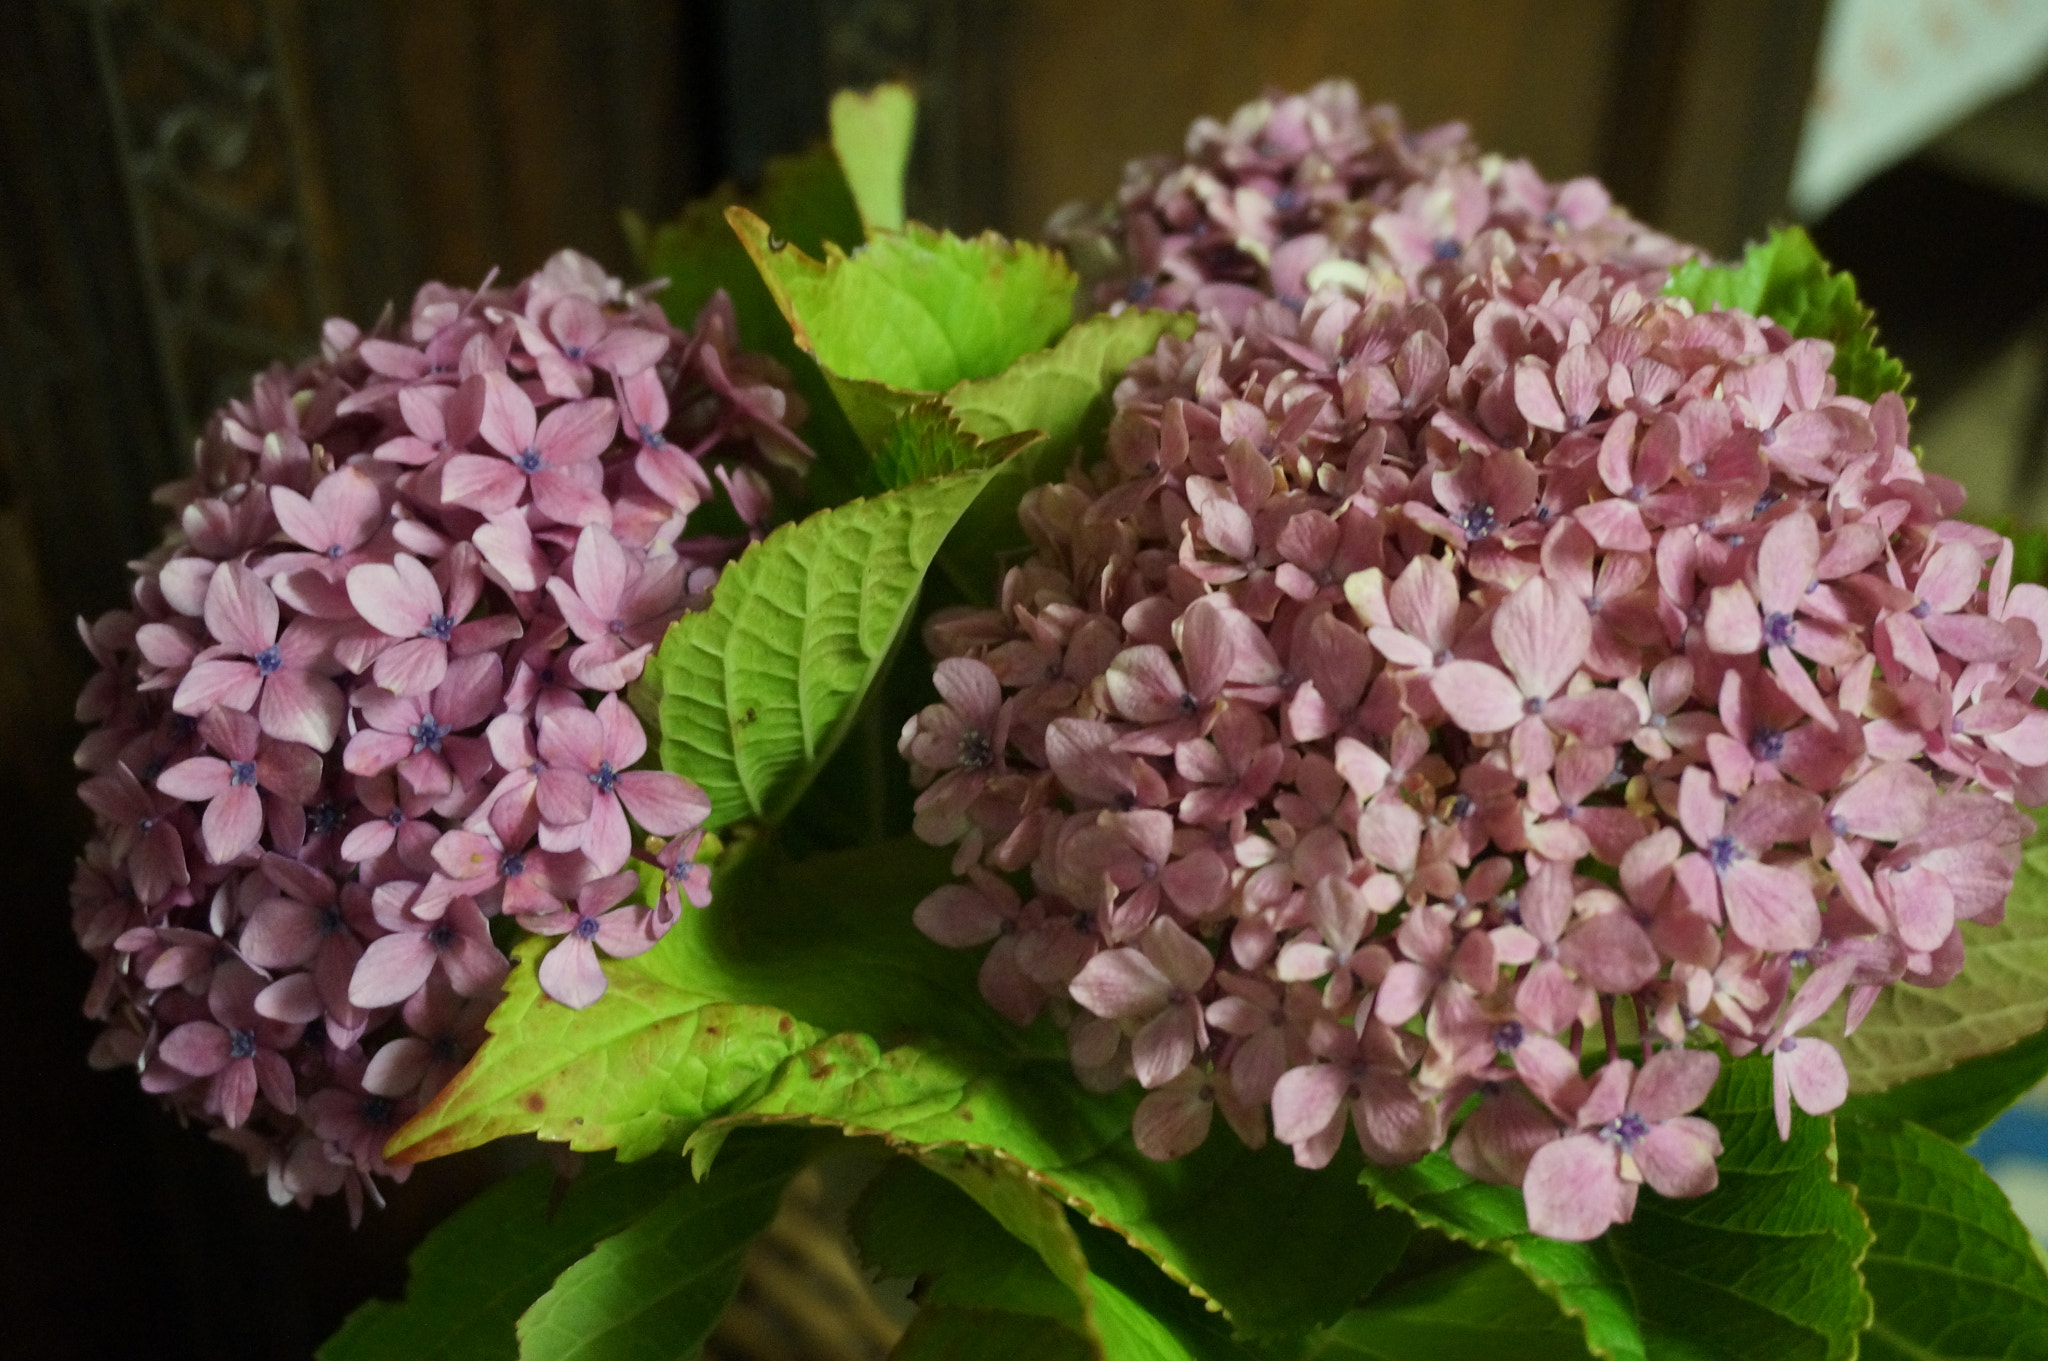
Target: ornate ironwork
point(209, 158)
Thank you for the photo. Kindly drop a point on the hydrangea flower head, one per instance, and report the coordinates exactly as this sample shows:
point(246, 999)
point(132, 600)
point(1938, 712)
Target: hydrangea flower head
point(1462, 659)
point(365, 702)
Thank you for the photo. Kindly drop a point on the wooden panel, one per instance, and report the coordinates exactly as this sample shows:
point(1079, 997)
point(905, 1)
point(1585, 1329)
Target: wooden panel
point(1093, 84)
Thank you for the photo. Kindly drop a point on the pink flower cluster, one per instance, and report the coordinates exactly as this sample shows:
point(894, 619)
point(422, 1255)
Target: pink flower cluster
point(366, 699)
point(1298, 192)
point(1448, 684)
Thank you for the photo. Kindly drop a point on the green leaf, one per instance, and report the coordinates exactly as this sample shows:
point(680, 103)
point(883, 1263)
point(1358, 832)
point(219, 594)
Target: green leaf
point(1477, 1309)
point(871, 135)
point(757, 690)
point(1064, 392)
point(926, 441)
point(911, 1222)
point(807, 199)
point(481, 1267)
point(1785, 278)
point(951, 1333)
point(731, 1020)
point(1953, 1272)
point(1764, 1266)
point(912, 312)
point(1959, 1102)
point(657, 1289)
point(689, 1029)
point(1999, 999)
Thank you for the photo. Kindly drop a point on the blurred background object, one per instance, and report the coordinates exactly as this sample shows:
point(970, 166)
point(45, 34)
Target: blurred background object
point(191, 185)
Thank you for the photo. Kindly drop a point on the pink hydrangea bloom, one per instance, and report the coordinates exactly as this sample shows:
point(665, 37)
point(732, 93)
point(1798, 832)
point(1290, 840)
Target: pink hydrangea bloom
point(1294, 192)
point(1468, 656)
point(406, 582)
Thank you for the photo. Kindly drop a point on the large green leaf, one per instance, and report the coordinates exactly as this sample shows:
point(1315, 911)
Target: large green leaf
point(1784, 278)
point(689, 1029)
point(911, 1223)
point(1953, 1271)
point(1999, 999)
point(757, 690)
point(912, 312)
point(1764, 1266)
point(1959, 1102)
point(807, 199)
point(1476, 1309)
point(656, 1289)
point(871, 134)
point(733, 1015)
point(1064, 391)
point(477, 1272)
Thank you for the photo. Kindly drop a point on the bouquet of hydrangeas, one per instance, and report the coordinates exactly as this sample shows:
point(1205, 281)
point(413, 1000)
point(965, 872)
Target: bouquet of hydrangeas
point(1403, 657)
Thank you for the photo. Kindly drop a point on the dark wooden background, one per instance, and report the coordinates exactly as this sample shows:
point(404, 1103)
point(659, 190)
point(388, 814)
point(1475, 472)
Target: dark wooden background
point(187, 186)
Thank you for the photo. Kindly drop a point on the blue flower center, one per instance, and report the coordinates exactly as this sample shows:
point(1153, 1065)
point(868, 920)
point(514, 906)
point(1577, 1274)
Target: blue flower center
point(976, 750)
point(441, 936)
point(268, 661)
point(323, 817)
point(572, 351)
point(604, 777)
point(1767, 745)
point(529, 461)
point(586, 928)
point(1445, 248)
point(241, 1044)
point(1723, 852)
point(426, 735)
point(1508, 1035)
point(440, 627)
point(1626, 1131)
point(241, 772)
point(1778, 630)
point(1477, 522)
point(512, 866)
point(649, 435)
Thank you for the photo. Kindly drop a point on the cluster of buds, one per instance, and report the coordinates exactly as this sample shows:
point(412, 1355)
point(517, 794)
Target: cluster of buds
point(1455, 704)
point(367, 699)
point(1304, 191)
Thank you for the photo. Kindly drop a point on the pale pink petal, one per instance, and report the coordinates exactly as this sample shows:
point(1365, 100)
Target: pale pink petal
point(1770, 907)
point(1677, 1157)
point(298, 706)
point(1542, 632)
point(1120, 983)
point(240, 609)
point(1306, 1100)
point(1786, 561)
point(397, 598)
point(958, 916)
point(508, 419)
point(233, 823)
point(1674, 1081)
point(571, 974)
point(1478, 698)
point(392, 969)
point(1173, 1121)
point(201, 777)
point(576, 432)
point(1818, 1079)
point(197, 1047)
point(1163, 1047)
point(1733, 625)
point(1573, 1189)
